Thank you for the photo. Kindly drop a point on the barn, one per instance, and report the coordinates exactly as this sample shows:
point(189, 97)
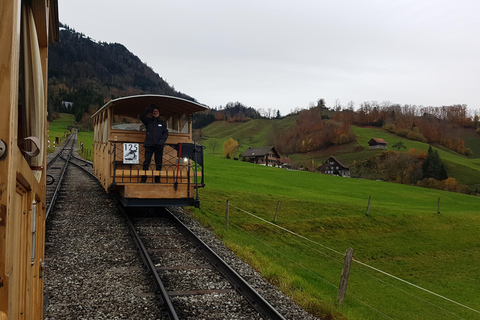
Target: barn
point(376, 143)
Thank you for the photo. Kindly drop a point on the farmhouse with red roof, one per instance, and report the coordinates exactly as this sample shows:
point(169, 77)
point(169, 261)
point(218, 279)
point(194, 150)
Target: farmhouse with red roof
point(376, 143)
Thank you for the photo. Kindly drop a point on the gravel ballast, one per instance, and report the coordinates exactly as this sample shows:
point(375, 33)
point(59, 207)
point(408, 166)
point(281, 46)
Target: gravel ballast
point(93, 269)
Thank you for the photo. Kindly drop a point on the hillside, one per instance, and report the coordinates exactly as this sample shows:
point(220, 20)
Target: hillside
point(466, 170)
point(89, 73)
point(402, 235)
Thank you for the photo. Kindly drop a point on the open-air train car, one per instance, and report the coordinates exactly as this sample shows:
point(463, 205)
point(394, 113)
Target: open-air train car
point(119, 152)
point(26, 29)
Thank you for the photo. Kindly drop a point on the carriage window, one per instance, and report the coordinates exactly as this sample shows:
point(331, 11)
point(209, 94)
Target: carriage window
point(183, 124)
point(178, 123)
point(122, 122)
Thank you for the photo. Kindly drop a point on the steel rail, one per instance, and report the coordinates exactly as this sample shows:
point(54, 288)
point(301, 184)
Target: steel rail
point(59, 154)
point(151, 266)
point(57, 189)
point(251, 295)
point(70, 141)
point(80, 167)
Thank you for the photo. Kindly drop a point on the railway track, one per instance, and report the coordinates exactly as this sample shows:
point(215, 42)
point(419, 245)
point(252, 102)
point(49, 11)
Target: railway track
point(94, 269)
point(56, 167)
point(189, 273)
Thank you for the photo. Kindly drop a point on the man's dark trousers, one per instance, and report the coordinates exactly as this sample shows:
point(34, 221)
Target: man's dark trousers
point(158, 152)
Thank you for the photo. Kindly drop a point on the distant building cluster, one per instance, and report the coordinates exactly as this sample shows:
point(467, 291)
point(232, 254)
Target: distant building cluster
point(268, 156)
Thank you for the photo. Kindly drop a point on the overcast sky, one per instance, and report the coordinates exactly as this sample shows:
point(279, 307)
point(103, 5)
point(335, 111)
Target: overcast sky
point(284, 55)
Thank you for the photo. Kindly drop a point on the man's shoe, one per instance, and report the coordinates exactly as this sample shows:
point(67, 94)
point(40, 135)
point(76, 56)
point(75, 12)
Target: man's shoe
point(157, 179)
point(143, 179)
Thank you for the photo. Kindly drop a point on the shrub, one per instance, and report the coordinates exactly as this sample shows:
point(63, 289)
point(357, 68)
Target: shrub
point(390, 127)
point(403, 132)
point(461, 188)
point(416, 136)
point(450, 184)
point(342, 139)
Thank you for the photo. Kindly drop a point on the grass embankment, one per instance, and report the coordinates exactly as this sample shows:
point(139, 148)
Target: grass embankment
point(87, 138)
point(58, 130)
point(403, 235)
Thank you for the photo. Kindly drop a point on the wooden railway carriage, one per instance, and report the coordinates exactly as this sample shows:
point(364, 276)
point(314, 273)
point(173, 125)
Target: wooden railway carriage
point(119, 152)
point(26, 29)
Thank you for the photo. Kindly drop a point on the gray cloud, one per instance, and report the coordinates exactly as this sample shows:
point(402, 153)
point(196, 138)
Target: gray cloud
point(283, 55)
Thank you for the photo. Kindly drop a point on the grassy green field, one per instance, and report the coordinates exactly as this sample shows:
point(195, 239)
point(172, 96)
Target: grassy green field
point(58, 128)
point(403, 235)
point(87, 138)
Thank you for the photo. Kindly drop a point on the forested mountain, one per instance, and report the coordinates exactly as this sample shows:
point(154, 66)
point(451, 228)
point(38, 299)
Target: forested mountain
point(89, 73)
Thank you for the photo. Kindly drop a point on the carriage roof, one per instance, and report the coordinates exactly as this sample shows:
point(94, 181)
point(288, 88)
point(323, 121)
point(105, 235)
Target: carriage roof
point(168, 105)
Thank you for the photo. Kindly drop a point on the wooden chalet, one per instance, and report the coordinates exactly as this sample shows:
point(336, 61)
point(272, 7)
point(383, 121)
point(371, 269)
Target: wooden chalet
point(376, 143)
point(335, 167)
point(266, 156)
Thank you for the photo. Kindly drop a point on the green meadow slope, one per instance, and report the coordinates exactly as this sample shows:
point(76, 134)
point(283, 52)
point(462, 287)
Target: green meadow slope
point(403, 235)
point(414, 252)
point(466, 170)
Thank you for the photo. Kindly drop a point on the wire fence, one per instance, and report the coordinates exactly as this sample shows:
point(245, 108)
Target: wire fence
point(373, 293)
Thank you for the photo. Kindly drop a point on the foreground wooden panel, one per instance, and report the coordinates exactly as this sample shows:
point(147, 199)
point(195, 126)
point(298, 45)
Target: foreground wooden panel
point(23, 110)
point(156, 191)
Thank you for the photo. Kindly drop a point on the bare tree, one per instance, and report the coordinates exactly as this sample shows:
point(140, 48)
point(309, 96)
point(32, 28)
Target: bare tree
point(338, 105)
point(213, 145)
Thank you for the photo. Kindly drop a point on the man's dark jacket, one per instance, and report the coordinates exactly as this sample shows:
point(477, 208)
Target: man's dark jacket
point(157, 131)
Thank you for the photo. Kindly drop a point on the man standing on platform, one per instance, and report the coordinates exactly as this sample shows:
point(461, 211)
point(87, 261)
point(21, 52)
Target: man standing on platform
point(156, 135)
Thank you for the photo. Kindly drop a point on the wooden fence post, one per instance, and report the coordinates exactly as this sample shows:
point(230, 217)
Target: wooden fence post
point(276, 213)
point(342, 288)
point(368, 207)
point(226, 214)
point(438, 206)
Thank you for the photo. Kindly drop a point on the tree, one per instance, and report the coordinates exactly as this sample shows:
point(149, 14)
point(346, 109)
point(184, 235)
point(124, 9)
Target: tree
point(399, 145)
point(433, 167)
point(230, 148)
point(321, 104)
point(213, 145)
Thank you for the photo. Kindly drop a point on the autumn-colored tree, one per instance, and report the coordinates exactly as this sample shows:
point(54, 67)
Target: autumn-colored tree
point(450, 184)
point(219, 116)
point(413, 152)
point(230, 148)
